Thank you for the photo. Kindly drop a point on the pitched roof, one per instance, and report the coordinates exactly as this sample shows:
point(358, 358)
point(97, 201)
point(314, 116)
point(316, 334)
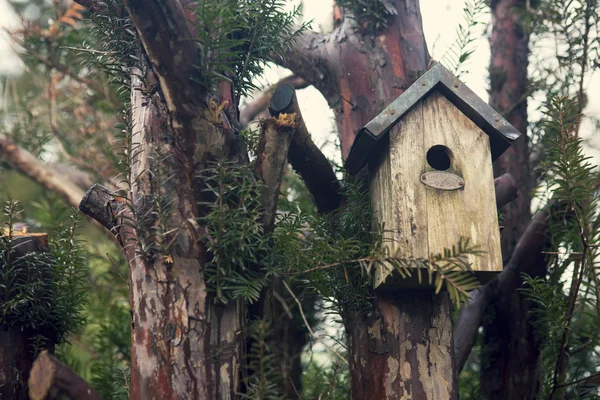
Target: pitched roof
point(502, 134)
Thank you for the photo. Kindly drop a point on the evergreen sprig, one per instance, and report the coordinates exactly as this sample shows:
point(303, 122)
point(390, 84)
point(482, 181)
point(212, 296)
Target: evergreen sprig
point(237, 39)
point(571, 292)
point(263, 381)
point(461, 50)
point(372, 15)
point(234, 235)
point(44, 292)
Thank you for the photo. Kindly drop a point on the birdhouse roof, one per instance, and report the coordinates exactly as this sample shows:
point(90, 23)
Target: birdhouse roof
point(502, 134)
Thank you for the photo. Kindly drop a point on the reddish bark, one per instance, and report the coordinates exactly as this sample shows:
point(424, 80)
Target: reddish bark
point(405, 351)
point(510, 352)
point(183, 344)
point(403, 348)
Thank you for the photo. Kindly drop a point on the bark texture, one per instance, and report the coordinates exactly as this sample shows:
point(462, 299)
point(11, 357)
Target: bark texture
point(184, 345)
point(510, 355)
point(404, 349)
point(404, 352)
point(359, 72)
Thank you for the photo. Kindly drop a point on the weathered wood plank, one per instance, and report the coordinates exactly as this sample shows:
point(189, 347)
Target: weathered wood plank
point(399, 195)
point(469, 212)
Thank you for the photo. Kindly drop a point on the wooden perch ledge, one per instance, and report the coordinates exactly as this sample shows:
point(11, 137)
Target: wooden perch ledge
point(48, 373)
point(306, 158)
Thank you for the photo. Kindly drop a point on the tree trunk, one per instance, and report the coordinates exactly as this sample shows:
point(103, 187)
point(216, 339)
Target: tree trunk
point(510, 349)
point(404, 352)
point(405, 348)
point(183, 344)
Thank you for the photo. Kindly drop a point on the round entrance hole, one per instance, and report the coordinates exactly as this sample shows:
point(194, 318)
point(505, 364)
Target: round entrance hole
point(439, 157)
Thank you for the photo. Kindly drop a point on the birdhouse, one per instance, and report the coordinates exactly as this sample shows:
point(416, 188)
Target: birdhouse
point(429, 156)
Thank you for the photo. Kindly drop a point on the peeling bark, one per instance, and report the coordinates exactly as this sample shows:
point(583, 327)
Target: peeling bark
point(183, 344)
point(406, 350)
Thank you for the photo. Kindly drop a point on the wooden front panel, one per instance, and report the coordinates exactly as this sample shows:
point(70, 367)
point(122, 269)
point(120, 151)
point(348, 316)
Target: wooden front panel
point(421, 221)
point(397, 194)
point(465, 213)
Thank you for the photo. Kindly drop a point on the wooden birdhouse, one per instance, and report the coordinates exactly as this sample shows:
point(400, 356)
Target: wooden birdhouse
point(429, 157)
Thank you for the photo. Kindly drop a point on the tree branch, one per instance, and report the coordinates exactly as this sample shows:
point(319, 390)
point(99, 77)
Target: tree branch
point(104, 206)
point(309, 58)
point(525, 259)
point(306, 158)
point(168, 42)
point(29, 165)
point(48, 373)
point(506, 189)
point(276, 135)
point(260, 104)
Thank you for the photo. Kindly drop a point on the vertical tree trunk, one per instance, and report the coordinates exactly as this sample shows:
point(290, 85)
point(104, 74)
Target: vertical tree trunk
point(405, 348)
point(406, 351)
point(510, 349)
point(183, 344)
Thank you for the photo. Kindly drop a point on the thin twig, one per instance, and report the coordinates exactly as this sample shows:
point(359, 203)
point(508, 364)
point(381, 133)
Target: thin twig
point(579, 380)
point(312, 333)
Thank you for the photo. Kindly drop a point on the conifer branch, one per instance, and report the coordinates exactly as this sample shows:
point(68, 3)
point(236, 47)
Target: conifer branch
point(49, 373)
point(306, 158)
point(95, 85)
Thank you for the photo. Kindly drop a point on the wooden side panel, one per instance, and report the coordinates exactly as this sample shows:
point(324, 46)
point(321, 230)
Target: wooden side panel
point(381, 199)
point(469, 212)
point(398, 194)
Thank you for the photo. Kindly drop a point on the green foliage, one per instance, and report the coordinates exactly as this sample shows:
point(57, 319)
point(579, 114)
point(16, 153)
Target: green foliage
point(237, 39)
point(263, 382)
point(338, 254)
point(43, 291)
point(568, 300)
point(234, 233)
point(113, 49)
point(373, 15)
point(326, 382)
point(461, 50)
point(111, 342)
